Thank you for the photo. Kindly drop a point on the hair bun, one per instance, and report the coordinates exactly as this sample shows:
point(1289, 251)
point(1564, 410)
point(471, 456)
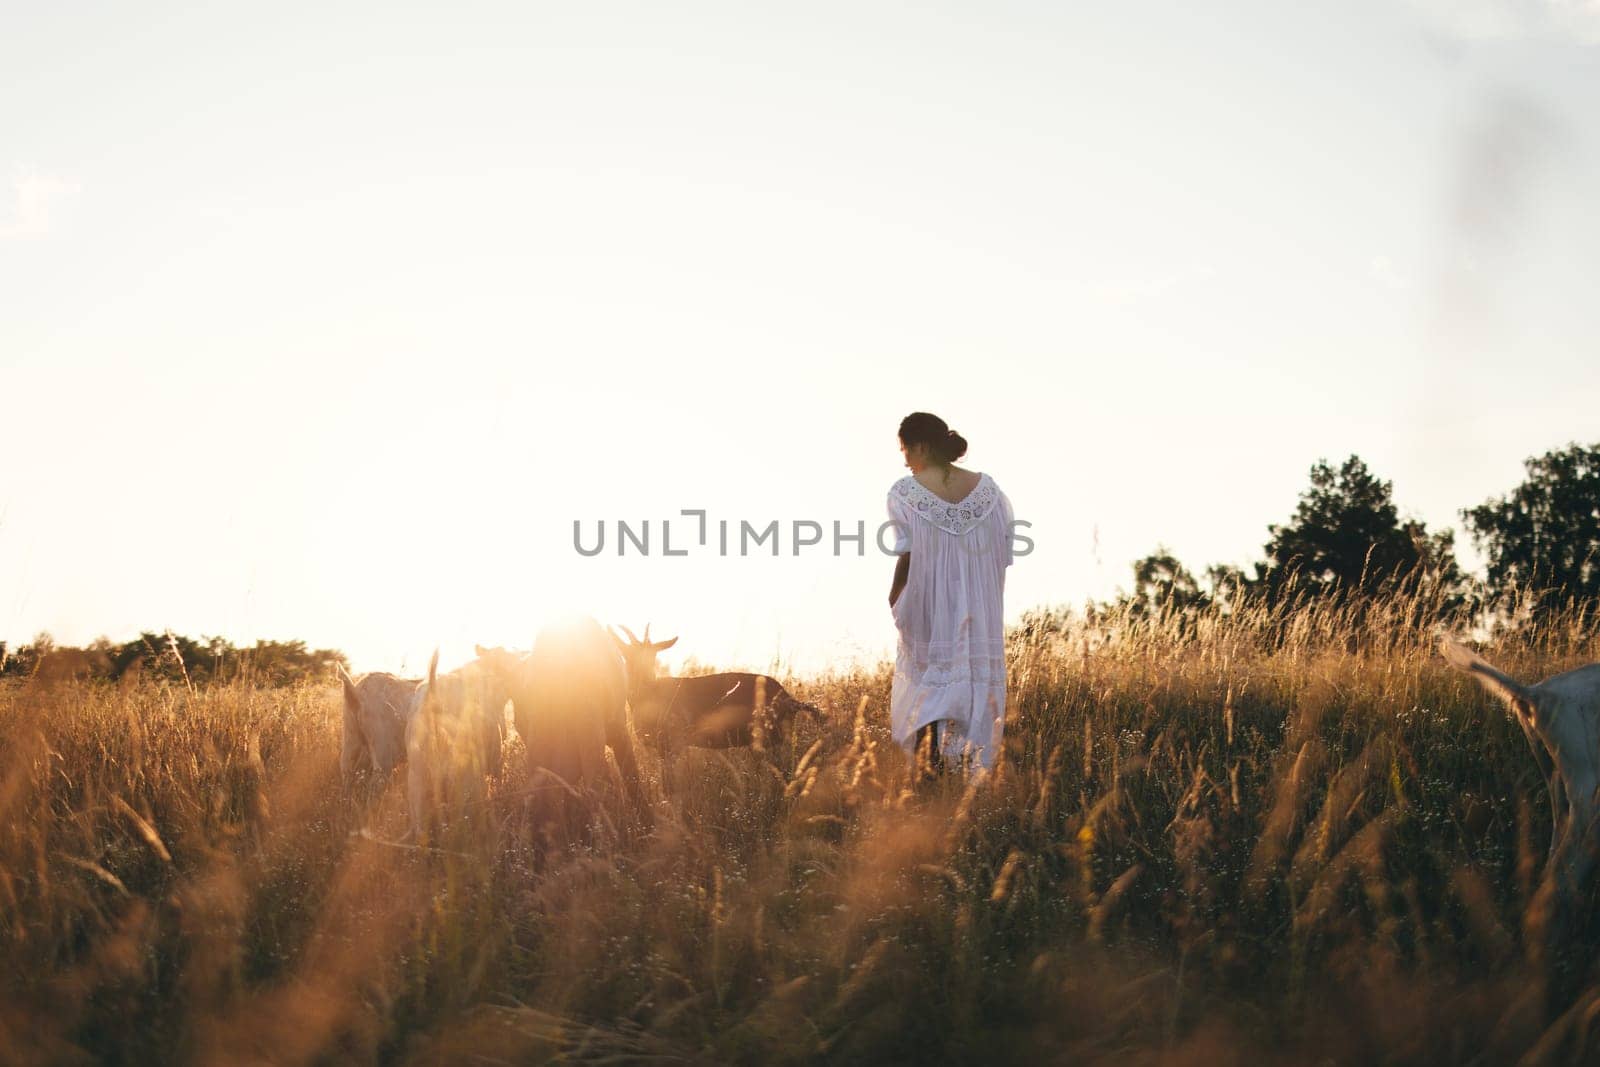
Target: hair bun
point(922, 428)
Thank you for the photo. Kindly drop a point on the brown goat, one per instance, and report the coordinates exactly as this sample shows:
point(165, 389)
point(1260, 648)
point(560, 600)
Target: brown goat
point(727, 710)
point(569, 704)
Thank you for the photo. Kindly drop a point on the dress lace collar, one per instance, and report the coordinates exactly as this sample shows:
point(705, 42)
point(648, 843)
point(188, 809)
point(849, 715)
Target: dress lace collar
point(955, 518)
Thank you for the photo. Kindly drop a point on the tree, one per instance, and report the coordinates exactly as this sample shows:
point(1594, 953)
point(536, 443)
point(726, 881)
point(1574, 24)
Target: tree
point(1545, 534)
point(175, 660)
point(1346, 536)
point(1162, 583)
point(23, 660)
point(1228, 585)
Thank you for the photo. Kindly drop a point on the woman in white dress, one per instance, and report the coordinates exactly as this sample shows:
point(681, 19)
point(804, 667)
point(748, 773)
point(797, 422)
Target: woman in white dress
point(953, 536)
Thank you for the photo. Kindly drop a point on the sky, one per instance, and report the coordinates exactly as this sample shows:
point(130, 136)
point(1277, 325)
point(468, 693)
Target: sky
point(329, 322)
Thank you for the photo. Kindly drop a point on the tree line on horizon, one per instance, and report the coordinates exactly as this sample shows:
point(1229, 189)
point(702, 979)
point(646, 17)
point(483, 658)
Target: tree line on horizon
point(171, 658)
point(1347, 540)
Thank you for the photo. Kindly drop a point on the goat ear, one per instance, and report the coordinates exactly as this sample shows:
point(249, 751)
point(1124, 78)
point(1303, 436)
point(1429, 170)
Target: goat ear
point(660, 645)
point(352, 696)
point(480, 651)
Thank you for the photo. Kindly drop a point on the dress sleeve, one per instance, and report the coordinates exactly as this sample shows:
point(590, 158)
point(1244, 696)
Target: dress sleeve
point(902, 524)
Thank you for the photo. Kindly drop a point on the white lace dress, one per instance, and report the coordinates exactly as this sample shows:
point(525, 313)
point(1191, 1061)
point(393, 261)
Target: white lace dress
point(951, 661)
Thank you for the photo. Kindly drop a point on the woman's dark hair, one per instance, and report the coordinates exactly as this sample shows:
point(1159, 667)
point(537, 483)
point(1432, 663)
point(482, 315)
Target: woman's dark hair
point(944, 444)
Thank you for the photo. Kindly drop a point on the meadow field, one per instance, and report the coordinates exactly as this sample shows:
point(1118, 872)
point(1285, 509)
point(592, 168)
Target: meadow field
point(1277, 835)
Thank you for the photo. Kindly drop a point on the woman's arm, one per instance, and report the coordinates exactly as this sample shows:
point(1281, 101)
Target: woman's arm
point(902, 547)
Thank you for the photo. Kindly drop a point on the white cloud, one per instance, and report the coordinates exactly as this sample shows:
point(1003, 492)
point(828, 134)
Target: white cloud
point(1490, 20)
point(35, 197)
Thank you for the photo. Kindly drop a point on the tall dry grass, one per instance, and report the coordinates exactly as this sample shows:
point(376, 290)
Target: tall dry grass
point(1280, 835)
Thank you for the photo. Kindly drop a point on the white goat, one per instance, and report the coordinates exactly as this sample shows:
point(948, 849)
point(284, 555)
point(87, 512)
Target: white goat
point(1560, 717)
point(453, 742)
point(376, 709)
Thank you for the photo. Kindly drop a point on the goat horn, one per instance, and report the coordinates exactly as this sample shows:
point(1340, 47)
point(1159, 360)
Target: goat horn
point(632, 638)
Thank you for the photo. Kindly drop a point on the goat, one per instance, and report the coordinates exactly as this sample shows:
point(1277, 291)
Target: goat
point(569, 704)
point(1560, 718)
point(446, 748)
point(488, 696)
point(376, 709)
point(379, 705)
point(727, 710)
